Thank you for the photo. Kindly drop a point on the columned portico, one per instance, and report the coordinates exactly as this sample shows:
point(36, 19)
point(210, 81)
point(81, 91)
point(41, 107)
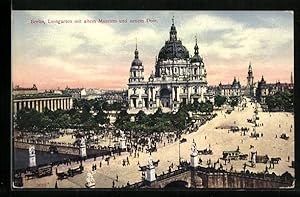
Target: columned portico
point(40, 104)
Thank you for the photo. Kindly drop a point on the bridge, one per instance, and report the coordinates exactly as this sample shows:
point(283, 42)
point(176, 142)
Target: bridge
point(201, 177)
point(60, 148)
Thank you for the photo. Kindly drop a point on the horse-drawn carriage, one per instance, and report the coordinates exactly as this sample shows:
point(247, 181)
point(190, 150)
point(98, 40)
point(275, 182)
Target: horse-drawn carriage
point(234, 155)
point(256, 135)
point(70, 173)
point(205, 151)
point(234, 128)
point(243, 156)
point(183, 140)
point(144, 168)
point(74, 171)
point(39, 171)
point(44, 171)
point(62, 175)
point(284, 136)
point(262, 158)
point(275, 160)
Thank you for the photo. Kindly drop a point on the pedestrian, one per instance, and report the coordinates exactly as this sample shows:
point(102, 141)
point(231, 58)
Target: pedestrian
point(100, 164)
point(138, 163)
point(117, 178)
point(113, 184)
point(288, 158)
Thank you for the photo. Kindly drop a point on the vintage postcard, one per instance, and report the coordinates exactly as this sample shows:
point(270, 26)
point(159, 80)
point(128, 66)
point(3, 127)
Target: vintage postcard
point(153, 99)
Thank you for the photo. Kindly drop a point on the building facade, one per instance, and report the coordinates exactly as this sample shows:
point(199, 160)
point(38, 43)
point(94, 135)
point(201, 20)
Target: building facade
point(229, 90)
point(39, 101)
point(178, 77)
point(263, 89)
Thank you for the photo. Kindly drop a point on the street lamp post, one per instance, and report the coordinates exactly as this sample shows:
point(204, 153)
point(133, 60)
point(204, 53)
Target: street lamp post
point(178, 146)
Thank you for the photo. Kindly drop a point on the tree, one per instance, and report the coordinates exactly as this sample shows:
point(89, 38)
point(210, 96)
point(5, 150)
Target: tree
point(234, 100)
point(101, 117)
point(28, 120)
point(280, 101)
point(220, 100)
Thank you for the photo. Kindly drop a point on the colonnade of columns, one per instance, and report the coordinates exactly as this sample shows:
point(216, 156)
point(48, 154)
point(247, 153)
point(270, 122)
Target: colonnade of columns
point(40, 104)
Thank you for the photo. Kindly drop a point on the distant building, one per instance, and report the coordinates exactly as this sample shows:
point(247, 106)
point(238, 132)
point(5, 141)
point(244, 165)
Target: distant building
point(74, 92)
point(263, 89)
point(32, 99)
point(25, 91)
point(249, 91)
point(229, 90)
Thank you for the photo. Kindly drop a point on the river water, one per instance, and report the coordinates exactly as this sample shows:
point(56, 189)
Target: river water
point(21, 158)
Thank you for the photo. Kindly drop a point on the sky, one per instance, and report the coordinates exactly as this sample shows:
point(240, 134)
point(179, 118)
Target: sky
point(99, 55)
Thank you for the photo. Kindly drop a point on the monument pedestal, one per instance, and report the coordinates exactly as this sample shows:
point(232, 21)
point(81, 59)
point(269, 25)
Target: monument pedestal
point(150, 174)
point(82, 148)
point(32, 157)
point(122, 143)
point(194, 160)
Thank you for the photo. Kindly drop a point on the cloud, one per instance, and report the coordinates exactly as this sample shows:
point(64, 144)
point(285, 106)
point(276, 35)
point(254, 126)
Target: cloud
point(91, 52)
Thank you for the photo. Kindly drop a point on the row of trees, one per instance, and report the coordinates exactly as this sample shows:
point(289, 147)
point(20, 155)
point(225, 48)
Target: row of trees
point(196, 106)
point(280, 101)
point(157, 122)
point(88, 114)
point(84, 114)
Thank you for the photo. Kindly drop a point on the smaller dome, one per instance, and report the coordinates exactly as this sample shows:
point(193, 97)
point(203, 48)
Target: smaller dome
point(136, 62)
point(196, 58)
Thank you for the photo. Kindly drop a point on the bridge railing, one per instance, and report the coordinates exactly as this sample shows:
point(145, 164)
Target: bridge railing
point(284, 178)
point(172, 173)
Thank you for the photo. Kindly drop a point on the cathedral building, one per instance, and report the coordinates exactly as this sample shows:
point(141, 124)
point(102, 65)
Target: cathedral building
point(178, 78)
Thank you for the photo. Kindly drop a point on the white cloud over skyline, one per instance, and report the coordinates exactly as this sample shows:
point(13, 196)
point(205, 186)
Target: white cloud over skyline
point(99, 55)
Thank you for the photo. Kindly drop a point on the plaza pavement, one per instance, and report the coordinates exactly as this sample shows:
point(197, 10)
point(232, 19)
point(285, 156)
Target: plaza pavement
point(219, 140)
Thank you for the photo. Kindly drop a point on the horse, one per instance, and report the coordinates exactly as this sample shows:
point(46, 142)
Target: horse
point(155, 163)
point(275, 159)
